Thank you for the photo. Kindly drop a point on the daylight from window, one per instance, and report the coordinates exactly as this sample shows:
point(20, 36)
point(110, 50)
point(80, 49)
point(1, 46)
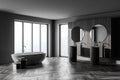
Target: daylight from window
point(27, 37)
point(64, 39)
point(36, 38)
point(30, 37)
point(18, 37)
point(43, 38)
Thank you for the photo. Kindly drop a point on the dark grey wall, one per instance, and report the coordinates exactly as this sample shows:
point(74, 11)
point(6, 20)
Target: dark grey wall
point(115, 52)
point(7, 33)
point(52, 42)
point(6, 38)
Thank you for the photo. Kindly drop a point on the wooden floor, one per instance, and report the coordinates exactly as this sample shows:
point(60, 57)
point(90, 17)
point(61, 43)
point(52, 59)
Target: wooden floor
point(61, 69)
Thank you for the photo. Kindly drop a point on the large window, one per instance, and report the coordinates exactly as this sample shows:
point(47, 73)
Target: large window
point(27, 37)
point(64, 40)
point(18, 36)
point(36, 37)
point(30, 37)
point(43, 38)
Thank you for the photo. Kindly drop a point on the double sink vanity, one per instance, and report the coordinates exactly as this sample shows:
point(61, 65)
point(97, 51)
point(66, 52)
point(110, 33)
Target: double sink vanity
point(96, 46)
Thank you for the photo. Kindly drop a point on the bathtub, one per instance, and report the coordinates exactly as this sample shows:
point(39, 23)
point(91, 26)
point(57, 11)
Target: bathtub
point(31, 58)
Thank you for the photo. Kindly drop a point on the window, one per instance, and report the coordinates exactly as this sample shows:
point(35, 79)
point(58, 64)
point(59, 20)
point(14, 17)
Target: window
point(30, 37)
point(36, 37)
point(18, 36)
point(27, 37)
point(43, 38)
point(64, 40)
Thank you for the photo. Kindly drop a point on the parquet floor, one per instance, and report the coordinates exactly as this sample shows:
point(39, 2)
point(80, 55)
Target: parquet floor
point(61, 69)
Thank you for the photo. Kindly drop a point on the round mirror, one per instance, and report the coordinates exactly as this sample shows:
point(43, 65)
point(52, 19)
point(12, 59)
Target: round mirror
point(77, 34)
point(98, 33)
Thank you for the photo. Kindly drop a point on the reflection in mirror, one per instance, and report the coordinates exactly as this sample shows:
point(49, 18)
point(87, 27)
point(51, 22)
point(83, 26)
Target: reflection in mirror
point(98, 33)
point(77, 34)
point(81, 34)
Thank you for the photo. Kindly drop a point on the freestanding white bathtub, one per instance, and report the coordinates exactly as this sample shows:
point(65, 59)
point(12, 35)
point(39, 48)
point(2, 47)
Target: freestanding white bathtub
point(32, 58)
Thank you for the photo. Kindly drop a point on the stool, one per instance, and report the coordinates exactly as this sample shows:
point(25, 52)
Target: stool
point(22, 63)
point(18, 65)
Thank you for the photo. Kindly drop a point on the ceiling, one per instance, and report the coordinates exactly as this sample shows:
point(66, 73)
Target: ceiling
point(58, 9)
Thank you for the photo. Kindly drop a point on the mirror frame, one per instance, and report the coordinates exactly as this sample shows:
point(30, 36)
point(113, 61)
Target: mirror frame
point(97, 25)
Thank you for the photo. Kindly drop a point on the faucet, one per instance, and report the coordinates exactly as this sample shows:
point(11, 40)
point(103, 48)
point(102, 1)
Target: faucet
point(83, 43)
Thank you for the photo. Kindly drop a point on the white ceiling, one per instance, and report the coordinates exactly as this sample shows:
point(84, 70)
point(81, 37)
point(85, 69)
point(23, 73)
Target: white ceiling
point(58, 9)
